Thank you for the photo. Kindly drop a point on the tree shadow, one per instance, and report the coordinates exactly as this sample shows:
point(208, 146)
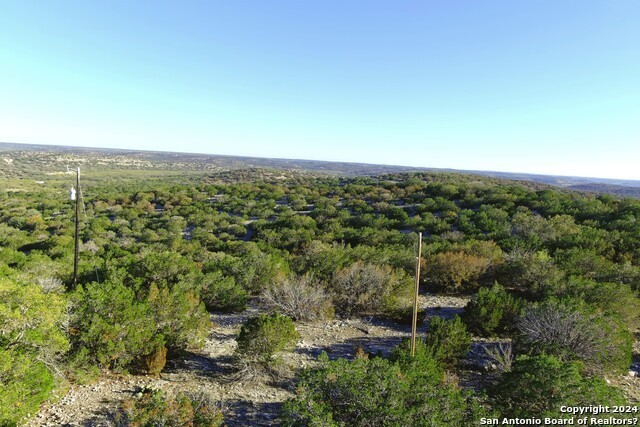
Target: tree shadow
point(635, 365)
point(105, 417)
point(347, 348)
point(447, 313)
point(201, 365)
point(370, 341)
point(241, 413)
point(404, 326)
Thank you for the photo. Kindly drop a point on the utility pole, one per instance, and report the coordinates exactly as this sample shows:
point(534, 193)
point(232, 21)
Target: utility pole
point(415, 298)
point(75, 254)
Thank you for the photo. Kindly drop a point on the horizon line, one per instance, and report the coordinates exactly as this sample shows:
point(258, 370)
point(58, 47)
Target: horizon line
point(417, 168)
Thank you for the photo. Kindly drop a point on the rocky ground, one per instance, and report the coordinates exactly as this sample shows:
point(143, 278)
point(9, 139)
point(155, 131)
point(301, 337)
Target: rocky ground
point(247, 400)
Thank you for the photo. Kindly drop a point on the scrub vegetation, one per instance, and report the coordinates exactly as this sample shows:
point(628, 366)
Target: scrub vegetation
point(554, 272)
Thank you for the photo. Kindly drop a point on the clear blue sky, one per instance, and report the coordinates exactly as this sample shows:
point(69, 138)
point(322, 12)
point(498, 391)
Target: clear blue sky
point(512, 85)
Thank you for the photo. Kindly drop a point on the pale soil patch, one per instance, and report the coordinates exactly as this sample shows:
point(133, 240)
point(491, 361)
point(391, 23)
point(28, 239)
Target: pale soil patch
point(254, 401)
point(257, 401)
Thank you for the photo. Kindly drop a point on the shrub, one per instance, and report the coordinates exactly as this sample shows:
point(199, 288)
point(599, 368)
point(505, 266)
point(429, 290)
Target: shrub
point(404, 315)
point(538, 386)
point(31, 320)
point(321, 258)
point(24, 384)
point(153, 408)
point(257, 269)
point(222, 293)
point(32, 343)
point(50, 285)
point(155, 361)
point(530, 273)
point(263, 336)
point(301, 298)
point(455, 271)
point(448, 340)
point(369, 289)
point(180, 318)
point(81, 367)
point(110, 328)
point(492, 311)
point(571, 330)
point(615, 299)
point(501, 355)
point(422, 362)
point(379, 392)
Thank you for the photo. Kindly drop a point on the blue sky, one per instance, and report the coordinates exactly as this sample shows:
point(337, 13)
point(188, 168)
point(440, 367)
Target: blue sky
point(526, 86)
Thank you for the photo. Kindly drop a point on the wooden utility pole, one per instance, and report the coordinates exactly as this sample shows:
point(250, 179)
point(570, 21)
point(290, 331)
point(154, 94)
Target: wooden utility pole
point(415, 299)
point(75, 254)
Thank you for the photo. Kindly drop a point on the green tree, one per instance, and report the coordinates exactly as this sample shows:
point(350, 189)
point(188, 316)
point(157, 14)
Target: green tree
point(263, 336)
point(531, 273)
point(492, 311)
point(221, 293)
point(24, 384)
point(179, 316)
point(454, 271)
point(539, 386)
point(448, 340)
point(111, 327)
point(379, 392)
point(32, 342)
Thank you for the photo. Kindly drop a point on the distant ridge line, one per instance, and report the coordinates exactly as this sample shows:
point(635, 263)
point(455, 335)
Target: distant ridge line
point(600, 185)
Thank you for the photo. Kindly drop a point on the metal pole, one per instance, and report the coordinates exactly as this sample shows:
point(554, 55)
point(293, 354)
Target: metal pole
point(415, 299)
point(75, 254)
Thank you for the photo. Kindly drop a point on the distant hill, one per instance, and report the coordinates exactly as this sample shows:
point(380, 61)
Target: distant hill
point(53, 157)
point(560, 180)
point(617, 190)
